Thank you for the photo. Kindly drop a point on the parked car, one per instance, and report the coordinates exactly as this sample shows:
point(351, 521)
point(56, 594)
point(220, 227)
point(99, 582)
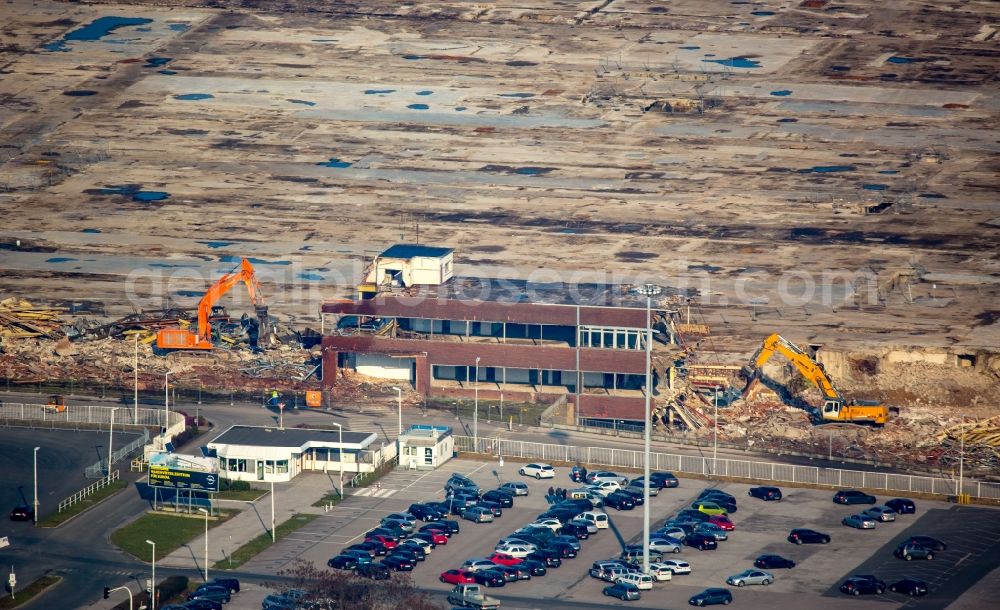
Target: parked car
point(441, 525)
point(723, 522)
point(503, 559)
point(230, 583)
point(459, 481)
point(517, 551)
point(701, 542)
point(711, 493)
point(405, 517)
point(852, 496)
point(343, 562)
point(407, 527)
point(570, 540)
point(414, 553)
point(660, 572)
point(537, 470)
point(383, 539)
point(674, 565)
point(562, 549)
point(419, 543)
point(665, 545)
point(693, 515)
point(713, 530)
point(914, 587)
point(203, 603)
point(478, 514)
point(371, 547)
point(216, 594)
point(722, 502)
point(490, 578)
point(580, 531)
point(622, 590)
point(374, 571)
point(751, 577)
point(553, 524)
point(515, 487)
point(598, 518)
point(880, 513)
point(398, 563)
point(664, 479)
point(510, 574)
point(608, 570)
point(637, 486)
point(606, 475)
point(443, 509)
point(766, 493)
point(643, 582)
point(22, 513)
point(603, 488)
point(620, 501)
point(550, 559)
point(477, 565)
point(493, 507)
point(433, 536)
point(636, 494)
point(861, 522)
point(910, 551)
point(902, 506)
point(425, 512)
point(862, 586)
point(462, 501)
point(457, 577)
point(927, 541)
point(807, 536)
point(391, 534)
point(504, 499)
point(633, 554)
point(590, 525)
point(676, 532)
point(535, 568)
point(768, 562)
point(711, 597)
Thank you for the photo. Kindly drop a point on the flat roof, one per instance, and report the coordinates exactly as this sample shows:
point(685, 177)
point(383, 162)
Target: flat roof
point(413, 250)
point(263, 436)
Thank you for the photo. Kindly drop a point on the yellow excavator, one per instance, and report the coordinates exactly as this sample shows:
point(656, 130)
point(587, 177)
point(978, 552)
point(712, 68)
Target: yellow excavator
point(835, 407)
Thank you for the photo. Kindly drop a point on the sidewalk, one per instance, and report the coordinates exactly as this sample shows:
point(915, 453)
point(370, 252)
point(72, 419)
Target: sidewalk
point(252, 520)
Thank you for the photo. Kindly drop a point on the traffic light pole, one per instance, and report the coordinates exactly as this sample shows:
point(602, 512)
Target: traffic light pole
point(108, 591)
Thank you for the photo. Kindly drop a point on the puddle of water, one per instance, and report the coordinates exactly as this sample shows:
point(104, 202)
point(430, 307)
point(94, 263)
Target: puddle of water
point(303, 102)
point(459, 108)
point(217, 244)
point(518, 95)
point(256, 261)
point(125, 189)
point(167, 72)
point(425, 92)
point(156, 62)
point(874, 187)
point(840, 68)
point(762, 13)
point(782, 93)
point(735, 62)
point(788, 120)
point(95, 30)
point(324, 40)
point(335, 162)
point(80, 93)
point(378, 91)
point(90, 230)
point(933, 196)
point(190, 293)
point(690, 48)
point(59, 259)
point(414, 57)
point(194, 96)
point(899, 59)
point(418, 106)
point(178, 27)
point(827, 169)
point(310, 276)
point(173, 266)
point(520, 63)
point(532, 171)
point(708, 268)
point(149, 196)
point(889, 171)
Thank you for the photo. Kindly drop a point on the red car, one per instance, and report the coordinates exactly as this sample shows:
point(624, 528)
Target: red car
point(388, 543)
point(503, 559)
point(437, 536)
point(458, 577)
point(723, 522)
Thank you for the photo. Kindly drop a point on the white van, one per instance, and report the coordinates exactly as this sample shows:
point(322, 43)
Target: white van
point(599, 519)
point(643, 581)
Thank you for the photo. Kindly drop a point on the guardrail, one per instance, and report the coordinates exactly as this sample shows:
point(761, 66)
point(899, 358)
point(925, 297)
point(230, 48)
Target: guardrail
point(746, 469)
point(86, 491)
point(100, 468)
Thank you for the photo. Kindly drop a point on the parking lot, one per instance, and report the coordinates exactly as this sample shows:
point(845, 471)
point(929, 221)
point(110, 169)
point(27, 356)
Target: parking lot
point(760, 527)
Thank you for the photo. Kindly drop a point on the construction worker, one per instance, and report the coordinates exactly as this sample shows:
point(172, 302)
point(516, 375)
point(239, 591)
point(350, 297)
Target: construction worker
point(274, 398)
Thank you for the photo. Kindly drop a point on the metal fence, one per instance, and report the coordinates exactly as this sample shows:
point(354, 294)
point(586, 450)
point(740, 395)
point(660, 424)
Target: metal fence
point(761, 471)
point(100, 468)
point(86, 491)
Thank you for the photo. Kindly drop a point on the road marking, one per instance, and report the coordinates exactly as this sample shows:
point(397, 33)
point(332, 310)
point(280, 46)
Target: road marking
point(964, 557)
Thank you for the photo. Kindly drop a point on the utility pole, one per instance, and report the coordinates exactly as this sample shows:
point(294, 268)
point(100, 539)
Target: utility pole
point(649, 290)
point(111, 438)
point(135, 398)
point(475, 414)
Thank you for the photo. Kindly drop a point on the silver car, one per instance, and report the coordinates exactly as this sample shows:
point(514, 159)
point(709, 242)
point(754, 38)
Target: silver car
point(880, 513)
point(478, 514)
point(664, 545)
point(861, 522)
point(751, 577)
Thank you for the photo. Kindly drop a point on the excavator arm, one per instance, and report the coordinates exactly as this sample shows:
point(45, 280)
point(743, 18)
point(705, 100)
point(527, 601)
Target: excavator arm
point(809, 368)
point(179, 338)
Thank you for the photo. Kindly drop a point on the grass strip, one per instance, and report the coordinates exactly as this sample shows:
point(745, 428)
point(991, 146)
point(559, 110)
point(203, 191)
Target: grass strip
point(169, 532)
point(25, 595)
point(56, 519)
point(250, 550)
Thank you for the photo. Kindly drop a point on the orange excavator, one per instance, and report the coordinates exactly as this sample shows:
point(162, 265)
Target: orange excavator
point(180, 338)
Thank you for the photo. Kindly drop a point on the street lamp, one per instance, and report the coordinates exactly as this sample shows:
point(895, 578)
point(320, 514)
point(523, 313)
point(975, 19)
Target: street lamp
point(715, 435)
point(152, 587)
point(111, 432)
point(340, 454)
point(399, 397)
point(475, 413)
point(202, 510)
point(649, 291)
point(34, 516)
point(166, 406)
point(135, 379)
point(961, 463)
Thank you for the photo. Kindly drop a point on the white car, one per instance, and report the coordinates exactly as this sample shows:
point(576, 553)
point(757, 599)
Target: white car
point(516, 550)
point(553, 524)
point(604, 488)
point(604, 475)
point(420, 542)
point(400, 517)
point(643, 582)
point(660, 572)
point(674, 565)
point(478, 565)
point(539, 471)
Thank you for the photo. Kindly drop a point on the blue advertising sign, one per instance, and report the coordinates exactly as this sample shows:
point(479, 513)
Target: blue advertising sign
point(183, 472)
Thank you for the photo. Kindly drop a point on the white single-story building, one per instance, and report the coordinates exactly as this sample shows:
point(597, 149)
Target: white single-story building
point(259, 453)
point(425, 447)
point(405, 265)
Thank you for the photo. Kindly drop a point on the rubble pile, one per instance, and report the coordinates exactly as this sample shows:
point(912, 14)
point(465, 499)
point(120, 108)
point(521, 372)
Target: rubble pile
point(20, 319)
